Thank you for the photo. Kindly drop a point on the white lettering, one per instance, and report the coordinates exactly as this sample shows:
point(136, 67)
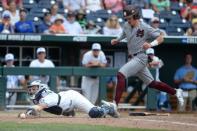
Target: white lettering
point(192, 40)
point(33, 38)
point(3, 37)
point(16, 37)
point(80, 38)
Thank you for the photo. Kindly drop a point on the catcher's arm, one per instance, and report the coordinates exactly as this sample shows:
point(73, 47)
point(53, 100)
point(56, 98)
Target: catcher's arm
point(33, 111)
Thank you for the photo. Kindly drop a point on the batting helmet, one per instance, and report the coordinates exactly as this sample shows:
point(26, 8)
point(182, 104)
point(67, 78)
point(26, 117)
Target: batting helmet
point(131, 11)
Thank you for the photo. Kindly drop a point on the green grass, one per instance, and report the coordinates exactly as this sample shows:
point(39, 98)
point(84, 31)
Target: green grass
point(11, 126)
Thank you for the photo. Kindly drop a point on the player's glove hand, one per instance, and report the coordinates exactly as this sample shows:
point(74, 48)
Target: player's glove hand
point(31, 112)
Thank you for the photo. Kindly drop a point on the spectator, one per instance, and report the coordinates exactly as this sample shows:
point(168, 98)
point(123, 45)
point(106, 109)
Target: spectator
point(143, 4)
point(54, 12)
point(190, 11)
point(160, 5)
point(155, 24)
point(5, 25)
point(113, 5)
point(58, 27)
point(72, 26)
point(74, 5)
point(92, 28)
point(41, 62)
point(156, 63)
point(193, 30)
point(24, 26)
point(13, 12)
point(6, 5)
point(81, 18)
point(90, 84)
point(186, 79)
point(45, 25)
point(12, 80)
point(94, 5)
point(112, 26)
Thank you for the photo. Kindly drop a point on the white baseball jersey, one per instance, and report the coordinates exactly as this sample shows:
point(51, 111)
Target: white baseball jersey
point(90, 85)
point(67, 101)
point(88, 56)
point(37, 63)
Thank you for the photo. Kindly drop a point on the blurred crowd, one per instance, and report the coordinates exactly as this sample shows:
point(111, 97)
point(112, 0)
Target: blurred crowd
point(94, 16)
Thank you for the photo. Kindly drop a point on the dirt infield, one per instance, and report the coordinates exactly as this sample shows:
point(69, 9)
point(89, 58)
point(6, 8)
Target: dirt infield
point(175, 122)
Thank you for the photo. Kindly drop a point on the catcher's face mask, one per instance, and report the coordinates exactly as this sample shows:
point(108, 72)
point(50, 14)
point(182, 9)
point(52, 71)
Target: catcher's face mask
point(32, 90)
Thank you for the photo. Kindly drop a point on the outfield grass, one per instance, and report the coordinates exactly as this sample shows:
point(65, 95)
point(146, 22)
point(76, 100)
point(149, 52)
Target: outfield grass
point(11, 126)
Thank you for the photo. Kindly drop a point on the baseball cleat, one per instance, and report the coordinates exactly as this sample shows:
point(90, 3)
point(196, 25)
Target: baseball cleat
point(179, 95)
point(113, 111)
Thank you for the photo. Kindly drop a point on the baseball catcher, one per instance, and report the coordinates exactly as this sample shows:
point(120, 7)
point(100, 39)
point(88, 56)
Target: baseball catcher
point(64, 102)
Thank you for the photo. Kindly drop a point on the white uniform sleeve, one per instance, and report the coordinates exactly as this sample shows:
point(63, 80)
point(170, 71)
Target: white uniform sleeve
point(32, 64)
point(51, 63)
point(49, 100)
point(103, 58)
point(85, 59)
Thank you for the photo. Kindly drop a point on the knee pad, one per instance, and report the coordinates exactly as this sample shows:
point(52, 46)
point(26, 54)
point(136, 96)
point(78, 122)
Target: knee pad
point(95, 112)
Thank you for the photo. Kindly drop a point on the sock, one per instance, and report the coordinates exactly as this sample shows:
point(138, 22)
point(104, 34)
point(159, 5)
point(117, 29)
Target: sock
point(120, 87)
point(162, 87)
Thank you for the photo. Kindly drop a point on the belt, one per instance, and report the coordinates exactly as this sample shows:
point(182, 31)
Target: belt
point(59, 99)
point(138, 53)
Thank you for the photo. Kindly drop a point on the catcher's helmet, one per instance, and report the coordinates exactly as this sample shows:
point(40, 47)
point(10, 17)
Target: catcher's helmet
point(131, 11)
point(38, 86)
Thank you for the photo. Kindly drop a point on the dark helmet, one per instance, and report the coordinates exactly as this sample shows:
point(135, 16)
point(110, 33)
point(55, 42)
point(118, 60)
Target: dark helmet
point(131, 11)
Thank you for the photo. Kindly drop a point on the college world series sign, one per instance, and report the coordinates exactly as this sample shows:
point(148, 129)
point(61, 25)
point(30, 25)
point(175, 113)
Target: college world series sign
point(19, 37)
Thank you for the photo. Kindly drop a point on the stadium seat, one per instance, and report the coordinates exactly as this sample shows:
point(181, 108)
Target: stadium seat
point(91, 16)
point(163, 25)
point(100, 22)
point(39, 12)
point(28, 4)
point(104, 14)
point(165, 14)
point(36, 20)
point(119, 14)
point(176, 6)
point(1, 9)
point(168, 15)
point(45, 3)
point(180, 23)
point(174, 31)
